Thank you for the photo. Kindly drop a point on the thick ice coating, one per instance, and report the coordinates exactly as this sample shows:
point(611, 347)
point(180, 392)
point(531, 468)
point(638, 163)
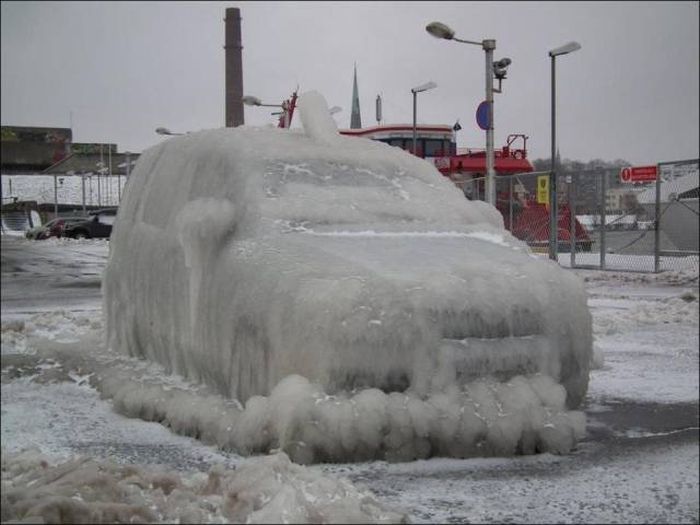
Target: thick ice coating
point(241, 256)
point(483, 418)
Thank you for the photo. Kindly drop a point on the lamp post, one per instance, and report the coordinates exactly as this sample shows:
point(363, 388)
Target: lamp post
point(440, 30)
point(250, 100)
point(553, 212)
point(415, 91)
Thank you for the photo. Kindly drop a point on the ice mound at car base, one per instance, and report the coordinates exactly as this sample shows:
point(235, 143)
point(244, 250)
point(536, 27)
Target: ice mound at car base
point(243, 256)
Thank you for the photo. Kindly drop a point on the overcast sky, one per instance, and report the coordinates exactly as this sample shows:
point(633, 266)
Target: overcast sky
point(124, 68)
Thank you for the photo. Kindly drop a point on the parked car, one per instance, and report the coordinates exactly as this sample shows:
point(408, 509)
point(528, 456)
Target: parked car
point(97, 225)
point(54, 228)
point(242, 256)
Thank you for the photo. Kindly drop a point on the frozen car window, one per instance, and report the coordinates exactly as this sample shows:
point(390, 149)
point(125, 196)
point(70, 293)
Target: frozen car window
point(323, 193)
point(106, 219)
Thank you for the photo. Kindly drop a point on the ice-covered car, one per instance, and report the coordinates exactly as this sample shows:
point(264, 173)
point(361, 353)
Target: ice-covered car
point(241, 256)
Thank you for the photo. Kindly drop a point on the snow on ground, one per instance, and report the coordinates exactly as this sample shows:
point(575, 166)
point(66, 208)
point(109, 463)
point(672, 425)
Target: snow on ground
point(638, 463)
point(647, 335)
point(524, 415)
point(69, 457)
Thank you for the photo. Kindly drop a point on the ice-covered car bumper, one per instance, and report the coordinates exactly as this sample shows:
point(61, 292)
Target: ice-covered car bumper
point(389, 311)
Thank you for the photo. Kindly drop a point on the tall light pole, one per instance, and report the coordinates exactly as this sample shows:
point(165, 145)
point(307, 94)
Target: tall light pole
point(440, 30)
point(553, 212)
point(415, 91)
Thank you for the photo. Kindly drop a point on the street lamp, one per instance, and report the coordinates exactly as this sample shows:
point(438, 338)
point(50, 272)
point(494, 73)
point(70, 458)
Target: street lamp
point(415, 91)
point(553, 213)
point(250, 100)
point(166, 131)
point(440, 30)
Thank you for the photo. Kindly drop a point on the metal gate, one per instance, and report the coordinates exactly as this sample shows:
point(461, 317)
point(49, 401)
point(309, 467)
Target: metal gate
point(602, 222)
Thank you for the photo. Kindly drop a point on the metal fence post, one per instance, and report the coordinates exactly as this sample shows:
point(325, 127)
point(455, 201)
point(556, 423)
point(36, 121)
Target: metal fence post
point(603, 177)
point(572, 218)
point(510, 203)
point(83, 192)
point(657, 221)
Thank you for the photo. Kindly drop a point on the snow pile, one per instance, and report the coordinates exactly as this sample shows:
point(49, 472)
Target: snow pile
point(683, 276)
point(262, 490)
point(680, 309)
point(523, 416)
point(243, 257)
point(13, 337)
point(60, 325)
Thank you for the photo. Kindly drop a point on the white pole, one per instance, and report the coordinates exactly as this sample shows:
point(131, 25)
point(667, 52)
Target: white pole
point(553, 216)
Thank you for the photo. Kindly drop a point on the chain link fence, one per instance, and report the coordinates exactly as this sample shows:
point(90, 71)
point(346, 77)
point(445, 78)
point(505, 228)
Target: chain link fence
point(603, 222)
point(89, 190)
point(33, 200)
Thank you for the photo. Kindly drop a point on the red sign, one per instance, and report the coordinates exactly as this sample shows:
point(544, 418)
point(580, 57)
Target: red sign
point(638, 174)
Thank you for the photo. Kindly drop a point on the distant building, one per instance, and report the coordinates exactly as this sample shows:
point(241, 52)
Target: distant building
point(619, 198)
point(33, 150)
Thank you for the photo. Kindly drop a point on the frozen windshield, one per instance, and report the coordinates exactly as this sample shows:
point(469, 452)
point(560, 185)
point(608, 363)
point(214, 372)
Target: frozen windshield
point(322, 193)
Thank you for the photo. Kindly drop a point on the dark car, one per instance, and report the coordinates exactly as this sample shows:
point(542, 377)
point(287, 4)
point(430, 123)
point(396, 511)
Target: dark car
point(97, 225)
point(54, 228)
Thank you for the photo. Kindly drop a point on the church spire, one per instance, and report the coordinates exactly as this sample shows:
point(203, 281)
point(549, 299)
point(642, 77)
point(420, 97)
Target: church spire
point(355, 120)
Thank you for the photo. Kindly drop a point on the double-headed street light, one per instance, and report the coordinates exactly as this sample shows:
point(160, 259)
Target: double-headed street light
point(415, 91)
point(250, 100)
point(497, 69)
point(553, 213)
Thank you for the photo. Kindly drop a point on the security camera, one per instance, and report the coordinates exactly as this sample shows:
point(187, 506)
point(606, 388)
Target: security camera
point(503, 63)
point(500, 67)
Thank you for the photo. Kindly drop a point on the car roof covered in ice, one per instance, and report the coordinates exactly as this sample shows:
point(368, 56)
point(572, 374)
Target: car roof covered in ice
point(313, 176)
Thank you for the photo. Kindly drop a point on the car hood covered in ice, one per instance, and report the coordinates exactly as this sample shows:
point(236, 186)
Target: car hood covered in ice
point(241, 256)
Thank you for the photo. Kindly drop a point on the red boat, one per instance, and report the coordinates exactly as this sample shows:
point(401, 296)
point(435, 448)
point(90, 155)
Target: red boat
point(438, 144)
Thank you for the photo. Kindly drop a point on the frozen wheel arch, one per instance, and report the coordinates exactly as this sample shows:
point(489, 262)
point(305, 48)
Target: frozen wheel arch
point(241, 256)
